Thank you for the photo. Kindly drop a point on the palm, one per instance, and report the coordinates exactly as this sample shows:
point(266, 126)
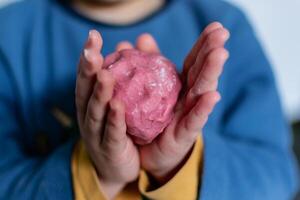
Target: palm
point(127, 161)
point(202, 68)
point(164, 149)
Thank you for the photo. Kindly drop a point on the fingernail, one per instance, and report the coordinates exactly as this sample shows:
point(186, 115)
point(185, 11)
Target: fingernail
point(92, 34)
point(89, 39)
point(87, 54)
point(227, 35)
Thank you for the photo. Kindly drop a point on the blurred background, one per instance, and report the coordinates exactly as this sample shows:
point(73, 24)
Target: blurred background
point(277, 26)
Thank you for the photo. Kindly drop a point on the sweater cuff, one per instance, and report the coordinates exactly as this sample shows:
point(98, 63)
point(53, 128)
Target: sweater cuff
point(85, 180)
point(86, 184)
point(184, 185)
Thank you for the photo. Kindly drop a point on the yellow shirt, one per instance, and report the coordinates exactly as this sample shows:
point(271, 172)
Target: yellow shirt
point(184, 185)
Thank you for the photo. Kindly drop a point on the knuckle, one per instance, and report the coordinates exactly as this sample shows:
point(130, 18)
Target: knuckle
point(198, 112)
point(203, 85)
point(92, 119)
point(211, 39)
point(104, 77)
point(205, 80)
point(210, 60)
point(98, 97)
point(102, 93)
point(219, 53)
point(112, 126)
point(216, 38)
point(105, 83)
point(86, 70)
point(202, 117)
point(83, 74)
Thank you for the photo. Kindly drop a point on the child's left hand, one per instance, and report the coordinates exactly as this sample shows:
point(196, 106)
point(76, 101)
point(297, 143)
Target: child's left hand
point(203, 66)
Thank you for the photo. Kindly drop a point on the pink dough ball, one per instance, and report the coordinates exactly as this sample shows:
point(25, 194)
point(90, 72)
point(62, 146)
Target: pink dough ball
point(148, 85)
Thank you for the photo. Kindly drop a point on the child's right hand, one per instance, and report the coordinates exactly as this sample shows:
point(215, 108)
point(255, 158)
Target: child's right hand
point(102, 121)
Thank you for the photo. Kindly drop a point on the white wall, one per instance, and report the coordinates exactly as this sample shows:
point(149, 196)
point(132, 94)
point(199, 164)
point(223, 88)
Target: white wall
point(277, 24)
point(5, 2)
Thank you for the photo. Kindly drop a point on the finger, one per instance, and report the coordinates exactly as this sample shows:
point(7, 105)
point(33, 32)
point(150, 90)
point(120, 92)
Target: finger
point(194, 121)
point(90, 62)
point(110, 59)
point(207, 79)
point(191, 57)
point(124, 45)
point(214, 40)
point(97, 106)
point(115, 130)
point(93, 45)
point(147, 43)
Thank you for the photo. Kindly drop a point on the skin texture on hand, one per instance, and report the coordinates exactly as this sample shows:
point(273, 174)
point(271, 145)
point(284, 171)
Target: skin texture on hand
point(101, 121)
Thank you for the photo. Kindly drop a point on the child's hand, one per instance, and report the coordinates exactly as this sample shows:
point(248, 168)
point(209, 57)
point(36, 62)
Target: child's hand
point(203, 66)
point(204, 63)
point(102, 121)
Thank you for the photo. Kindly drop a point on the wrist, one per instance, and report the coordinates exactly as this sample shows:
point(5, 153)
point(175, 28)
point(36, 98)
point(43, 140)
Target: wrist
point(160, 177)
point(111, 188)
point(108, 185)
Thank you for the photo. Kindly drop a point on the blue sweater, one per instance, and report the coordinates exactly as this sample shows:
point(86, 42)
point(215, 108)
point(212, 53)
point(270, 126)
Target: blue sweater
point(247, 151)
